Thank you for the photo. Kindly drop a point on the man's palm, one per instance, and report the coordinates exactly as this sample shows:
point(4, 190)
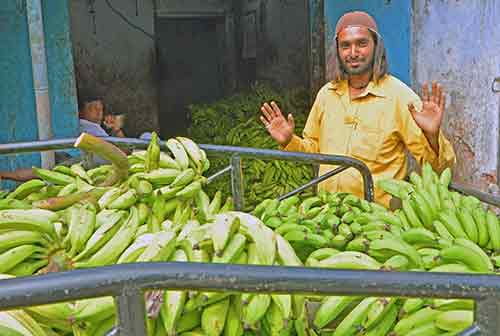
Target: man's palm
point(279, 128)
point(431, 116)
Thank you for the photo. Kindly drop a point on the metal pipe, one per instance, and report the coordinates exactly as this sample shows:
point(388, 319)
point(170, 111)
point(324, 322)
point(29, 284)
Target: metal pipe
point(237, 186)
point(40, 76)
point(114, 280)
point(265, 154)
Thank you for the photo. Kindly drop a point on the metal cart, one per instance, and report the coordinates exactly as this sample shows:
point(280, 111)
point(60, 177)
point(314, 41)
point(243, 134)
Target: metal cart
point(127, 282)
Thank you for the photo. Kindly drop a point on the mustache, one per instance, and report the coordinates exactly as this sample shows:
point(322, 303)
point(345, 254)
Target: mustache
point(354, 59)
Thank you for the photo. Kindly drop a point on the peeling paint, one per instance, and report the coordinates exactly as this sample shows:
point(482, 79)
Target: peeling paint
point(457, 44)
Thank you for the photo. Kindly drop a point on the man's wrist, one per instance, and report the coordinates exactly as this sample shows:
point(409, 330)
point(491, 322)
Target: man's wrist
point(433, 139)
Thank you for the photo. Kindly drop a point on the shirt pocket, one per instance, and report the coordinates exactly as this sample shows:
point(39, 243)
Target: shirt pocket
point(366, 141)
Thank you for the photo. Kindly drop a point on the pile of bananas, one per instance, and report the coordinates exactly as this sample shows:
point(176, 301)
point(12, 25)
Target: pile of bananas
point(437, 230)
point(67, 219)
point(235, 121)
point(158, 210)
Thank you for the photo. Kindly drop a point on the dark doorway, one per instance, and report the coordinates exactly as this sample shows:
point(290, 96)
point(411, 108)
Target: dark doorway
point(190, 58)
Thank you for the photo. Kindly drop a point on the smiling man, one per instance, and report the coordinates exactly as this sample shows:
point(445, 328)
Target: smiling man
point(366, 113)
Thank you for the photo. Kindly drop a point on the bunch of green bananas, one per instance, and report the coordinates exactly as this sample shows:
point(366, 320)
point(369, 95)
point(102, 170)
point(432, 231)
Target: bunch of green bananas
point(235, 121)
point(338, 230)
point(159, 213)
point(315, 222)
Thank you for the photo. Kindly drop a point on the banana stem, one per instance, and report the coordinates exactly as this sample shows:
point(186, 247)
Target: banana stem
point(62, 202)
point(107, 151)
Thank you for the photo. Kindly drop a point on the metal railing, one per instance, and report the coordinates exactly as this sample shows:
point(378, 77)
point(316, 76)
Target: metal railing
point(234, 153)
point(127, 283)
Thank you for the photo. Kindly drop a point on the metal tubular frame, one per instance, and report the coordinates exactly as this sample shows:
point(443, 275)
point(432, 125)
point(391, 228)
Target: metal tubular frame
point(127, 283)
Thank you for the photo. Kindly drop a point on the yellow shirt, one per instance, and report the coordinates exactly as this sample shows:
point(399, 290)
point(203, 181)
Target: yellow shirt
point(376, 128)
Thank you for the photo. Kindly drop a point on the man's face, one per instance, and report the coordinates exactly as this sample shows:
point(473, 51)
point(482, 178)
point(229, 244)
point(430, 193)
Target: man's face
point(94, 111)
point(356, 49)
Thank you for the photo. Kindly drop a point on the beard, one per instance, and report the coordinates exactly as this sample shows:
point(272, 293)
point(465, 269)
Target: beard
point(362, 68)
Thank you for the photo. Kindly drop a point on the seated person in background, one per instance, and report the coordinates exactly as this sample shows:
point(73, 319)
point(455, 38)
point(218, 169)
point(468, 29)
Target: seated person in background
point(91, 115)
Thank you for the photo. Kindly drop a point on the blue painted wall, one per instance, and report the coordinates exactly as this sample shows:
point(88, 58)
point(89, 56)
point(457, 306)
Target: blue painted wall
point(393, 20)
point(17, 99)
point(60, 67)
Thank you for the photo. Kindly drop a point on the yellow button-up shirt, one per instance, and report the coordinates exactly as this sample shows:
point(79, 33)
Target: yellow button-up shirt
point(376, 128)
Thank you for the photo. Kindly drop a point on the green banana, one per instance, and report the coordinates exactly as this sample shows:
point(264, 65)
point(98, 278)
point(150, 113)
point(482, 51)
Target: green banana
point(467, 256)
point(26, 188)
point(455, 320)
point(255, 309)
point(350, 260)
point(174, 301)
point(351, 323)
point(386, 323)
point(180, 155)
point(113, 248)
point(14, 256)
point(452, 224)
point(468, 224)
point(234, 248)
point(479, 215)
point(493, 229)
point(213, 318)
point(331, 307)
point(418, 318)
point(472, 246)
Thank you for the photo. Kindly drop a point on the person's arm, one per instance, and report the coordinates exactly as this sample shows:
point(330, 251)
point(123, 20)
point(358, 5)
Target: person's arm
point(18, 175)
point(419, 126)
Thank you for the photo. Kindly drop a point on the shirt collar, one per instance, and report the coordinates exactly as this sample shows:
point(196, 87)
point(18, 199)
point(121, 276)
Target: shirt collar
point(374, 89)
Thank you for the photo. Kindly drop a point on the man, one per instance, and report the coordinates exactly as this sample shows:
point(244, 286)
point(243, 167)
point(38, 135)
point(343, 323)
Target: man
point(366, 113)
point(91, 114)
